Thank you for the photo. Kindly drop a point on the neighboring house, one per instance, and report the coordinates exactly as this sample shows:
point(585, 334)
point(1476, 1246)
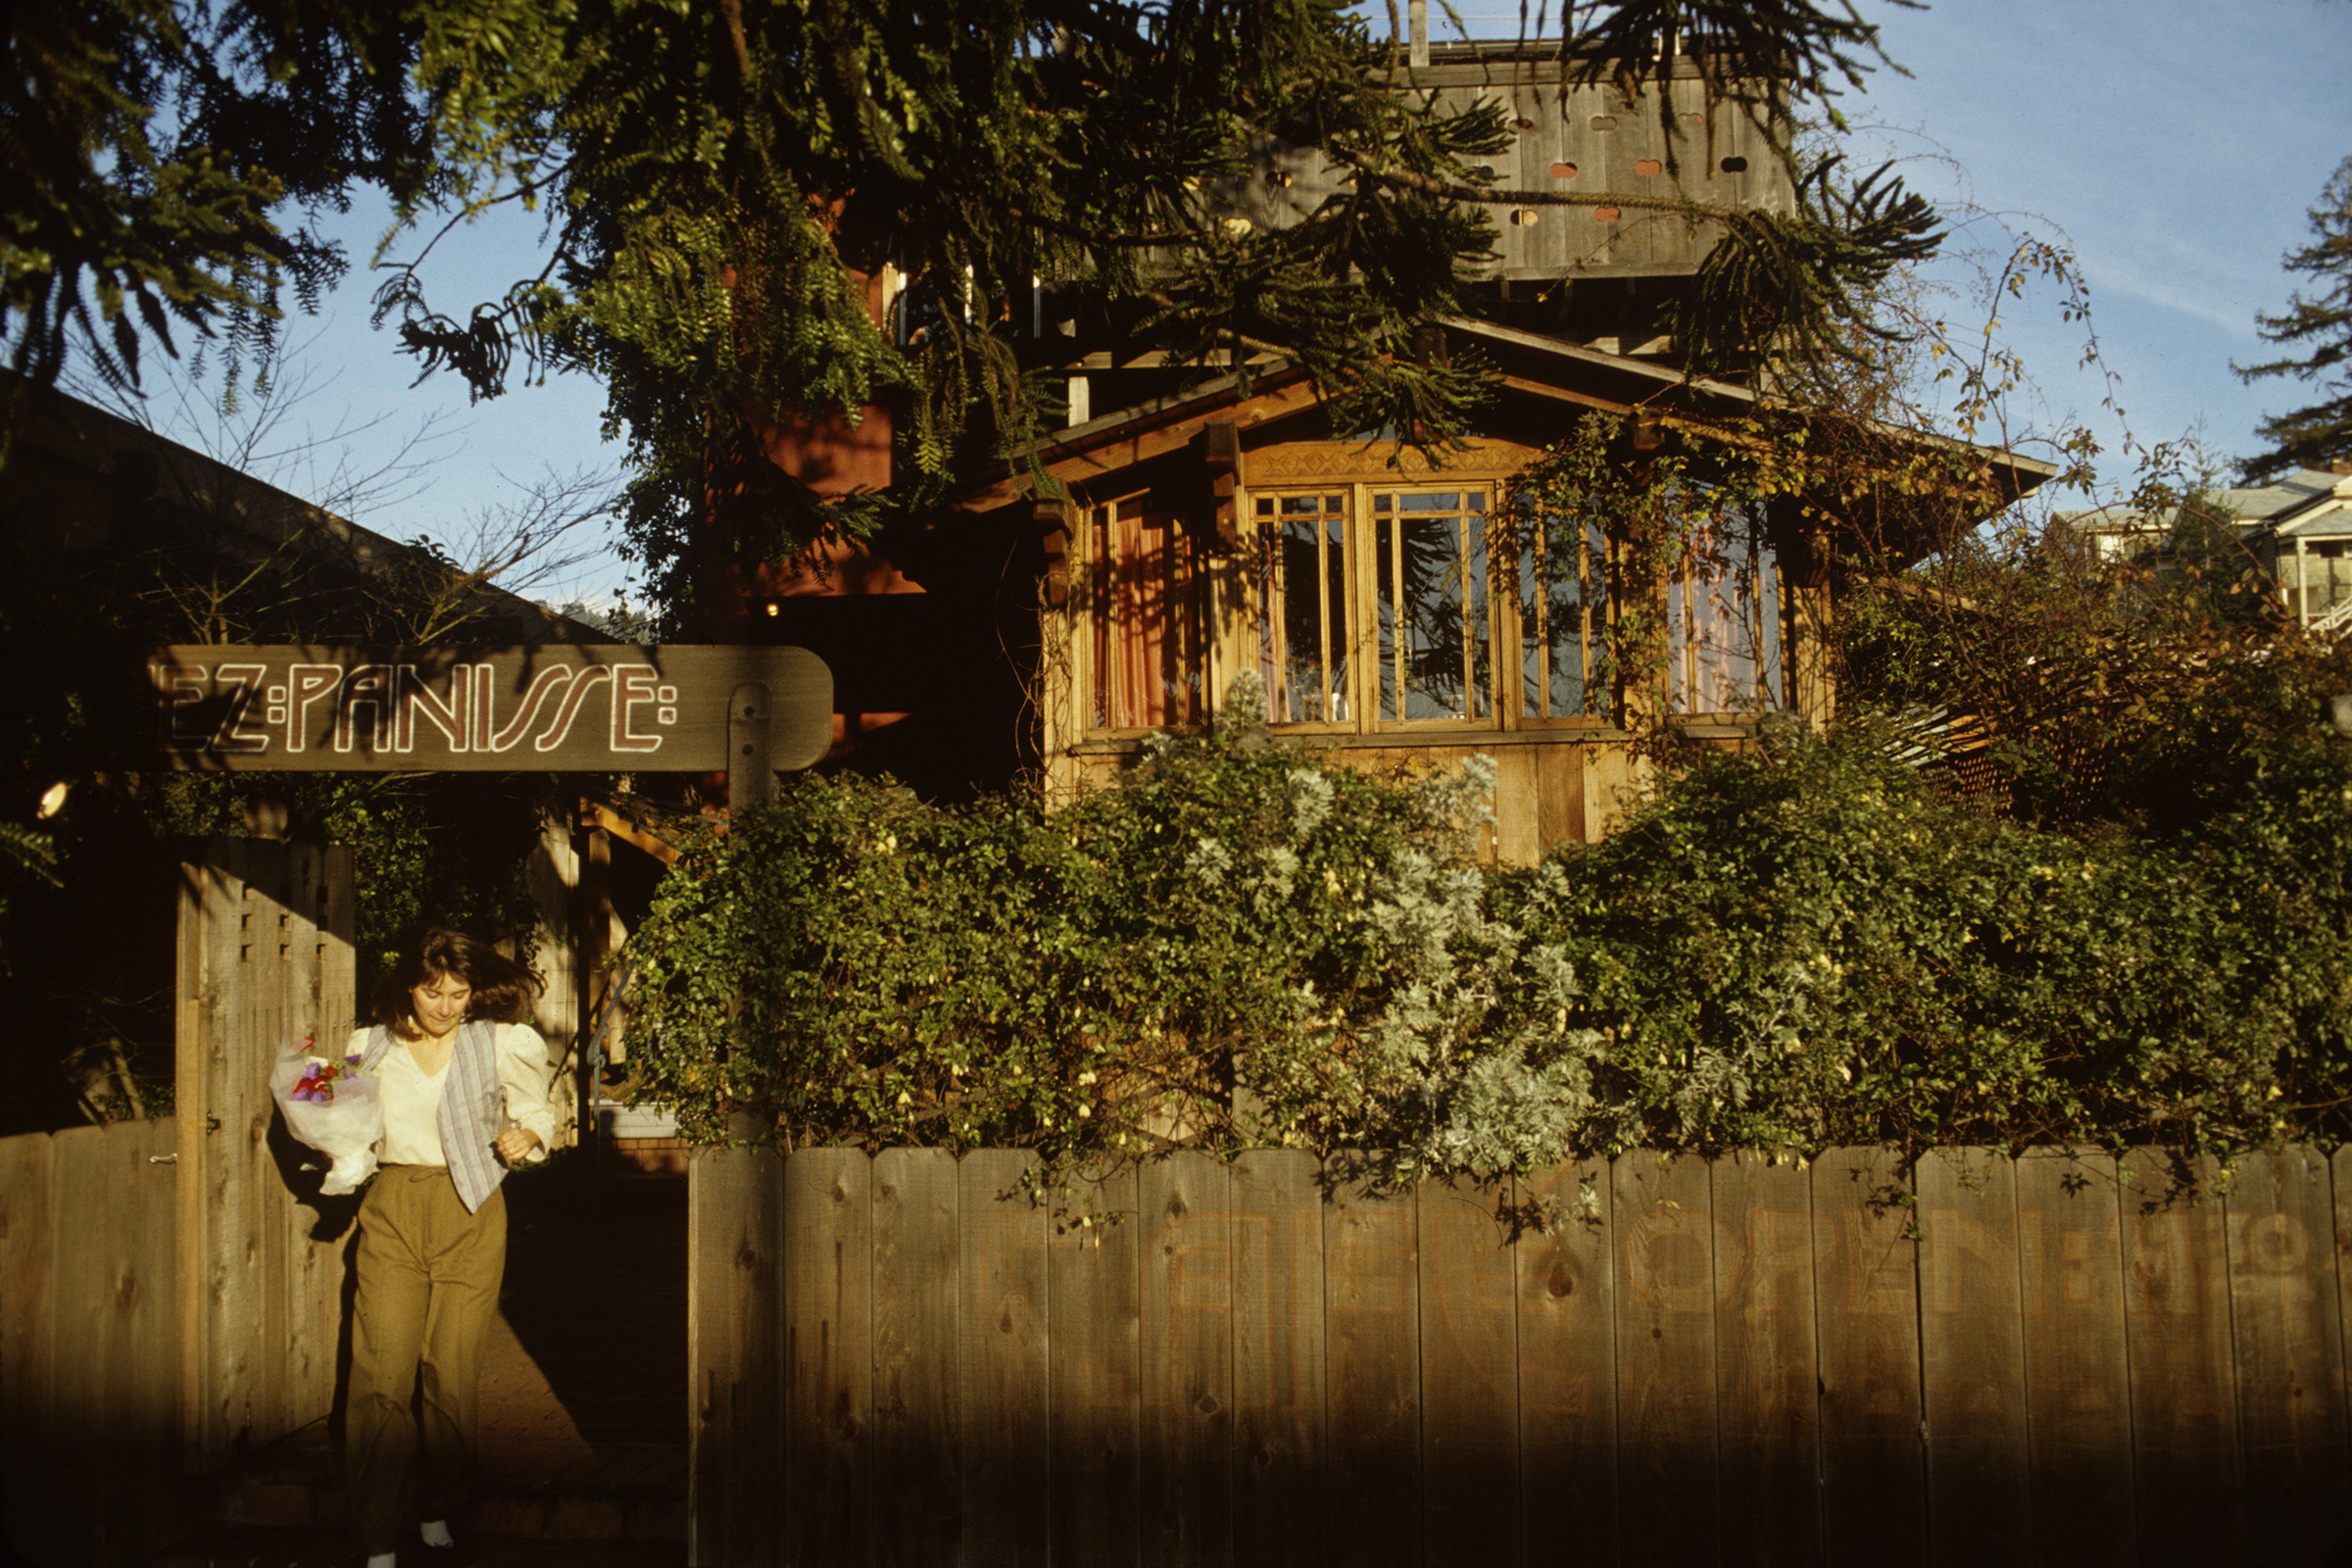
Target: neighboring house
point(2298, 530)
point(1185, 531)
point(2301, 528)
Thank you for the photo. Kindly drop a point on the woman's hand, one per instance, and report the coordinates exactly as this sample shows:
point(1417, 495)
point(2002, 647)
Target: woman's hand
point(514, 1144)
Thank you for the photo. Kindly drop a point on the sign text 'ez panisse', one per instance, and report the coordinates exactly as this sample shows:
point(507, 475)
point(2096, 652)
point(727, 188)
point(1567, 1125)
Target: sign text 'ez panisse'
point(558, 708)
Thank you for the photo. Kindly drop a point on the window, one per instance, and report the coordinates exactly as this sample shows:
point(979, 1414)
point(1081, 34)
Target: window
point(1305, 635)
point(1421, 602)
point(1419, 606)
point(1563, 605)
point(1723, 624)
point(1435, 632)
point(1147, 652)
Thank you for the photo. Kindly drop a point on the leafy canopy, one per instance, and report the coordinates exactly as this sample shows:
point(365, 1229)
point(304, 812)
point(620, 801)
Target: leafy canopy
point(722, 184)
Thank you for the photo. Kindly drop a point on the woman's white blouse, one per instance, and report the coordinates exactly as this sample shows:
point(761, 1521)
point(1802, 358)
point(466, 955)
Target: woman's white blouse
point(413, 1100)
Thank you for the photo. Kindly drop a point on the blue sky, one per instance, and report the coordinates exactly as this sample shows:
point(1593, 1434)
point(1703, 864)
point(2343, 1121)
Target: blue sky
point(2173, 146)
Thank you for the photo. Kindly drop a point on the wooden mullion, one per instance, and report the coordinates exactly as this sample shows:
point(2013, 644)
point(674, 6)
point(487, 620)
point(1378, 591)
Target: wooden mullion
point(1323, 610)
point(1462, 594)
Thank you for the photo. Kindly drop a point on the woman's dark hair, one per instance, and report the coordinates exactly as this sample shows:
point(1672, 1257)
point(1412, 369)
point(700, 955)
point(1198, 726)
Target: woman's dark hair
point(502, 988)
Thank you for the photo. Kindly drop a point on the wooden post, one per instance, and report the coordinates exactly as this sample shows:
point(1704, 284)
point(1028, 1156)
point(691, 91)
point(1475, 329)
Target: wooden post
point(751, 779)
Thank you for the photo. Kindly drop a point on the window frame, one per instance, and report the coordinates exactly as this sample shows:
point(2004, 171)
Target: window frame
point(1371, 676)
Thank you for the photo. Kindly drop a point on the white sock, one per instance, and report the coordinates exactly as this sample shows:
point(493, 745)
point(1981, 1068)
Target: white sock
point(383, 1559)
point(435, 1532)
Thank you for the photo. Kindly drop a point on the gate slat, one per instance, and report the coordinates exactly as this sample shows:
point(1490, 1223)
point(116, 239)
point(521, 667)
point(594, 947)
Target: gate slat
point(1973, 1359)
point(2183, 1394)
point(264, 1206)
point(2290, 1355)
point(1185, 1226)
point(1280, 1368)
point(1470, 1500)
point(220, 1252)
point(828, 1353)
point(917, 1471)
point(1872, 1491)
point(1001, 1359)
point(1567, 1354)
point(2078, 1375)
point(1767, 1369)
point(1667, 1464)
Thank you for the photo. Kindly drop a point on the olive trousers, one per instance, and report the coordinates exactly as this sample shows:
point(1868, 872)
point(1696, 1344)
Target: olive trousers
point(428, 1278)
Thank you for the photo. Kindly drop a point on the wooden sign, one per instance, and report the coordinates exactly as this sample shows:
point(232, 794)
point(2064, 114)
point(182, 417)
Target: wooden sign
point(558, 708)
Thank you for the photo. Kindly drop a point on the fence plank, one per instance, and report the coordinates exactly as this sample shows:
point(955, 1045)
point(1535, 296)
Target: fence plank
point(1185, 1228)
point(126, 1318)
point(828, 1352)
point(1567, 1353)
point(314, 1267)
point(210, 1292)
point(1873, 1492)
point(2183, 1394)
point(1280, 1367)
point(1093, 1292)
point(30, 1457)
point(1667, 1472)
point(2289, 1354)
point(736, 1504)
point(1372, 1346)
point(1767, 1369)
point(265, 1217)
point(89, 1261)
point(1470, 1502)
point(1002, 1362)
point(917, 1476)
point(1973, 1358)
point(2077, 1376)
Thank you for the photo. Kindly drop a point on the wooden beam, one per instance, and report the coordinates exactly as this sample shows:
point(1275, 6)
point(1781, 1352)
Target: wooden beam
point(1141, 444)
point(595, 815)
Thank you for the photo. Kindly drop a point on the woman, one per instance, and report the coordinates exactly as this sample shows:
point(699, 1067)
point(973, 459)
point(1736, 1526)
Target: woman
point(462, 1081)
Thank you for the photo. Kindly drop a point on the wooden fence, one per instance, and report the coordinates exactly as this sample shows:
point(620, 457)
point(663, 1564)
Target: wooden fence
point(163, 1298)
point(903, 1360)
point(89, 1349)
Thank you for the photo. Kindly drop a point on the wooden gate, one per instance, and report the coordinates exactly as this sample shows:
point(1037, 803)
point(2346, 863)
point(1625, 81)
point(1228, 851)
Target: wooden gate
point(265, 956)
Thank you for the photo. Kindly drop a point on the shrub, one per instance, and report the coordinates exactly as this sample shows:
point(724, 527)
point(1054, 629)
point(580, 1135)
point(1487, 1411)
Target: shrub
point(1243, 945)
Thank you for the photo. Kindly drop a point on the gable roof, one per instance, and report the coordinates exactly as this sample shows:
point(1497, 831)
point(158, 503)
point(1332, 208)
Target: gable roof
point(1528, 366)
point(2308, 503)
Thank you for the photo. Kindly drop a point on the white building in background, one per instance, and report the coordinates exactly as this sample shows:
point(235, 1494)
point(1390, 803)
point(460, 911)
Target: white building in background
point(2298, 530)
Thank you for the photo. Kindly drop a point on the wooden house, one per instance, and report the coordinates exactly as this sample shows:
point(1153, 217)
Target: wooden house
point(1196, 527)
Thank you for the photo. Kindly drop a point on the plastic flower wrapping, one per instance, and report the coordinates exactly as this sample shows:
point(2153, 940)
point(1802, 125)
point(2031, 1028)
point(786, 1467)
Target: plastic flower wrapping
point(332, 1106)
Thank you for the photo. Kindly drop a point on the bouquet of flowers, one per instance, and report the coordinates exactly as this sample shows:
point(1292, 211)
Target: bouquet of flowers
point(331, 1107)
